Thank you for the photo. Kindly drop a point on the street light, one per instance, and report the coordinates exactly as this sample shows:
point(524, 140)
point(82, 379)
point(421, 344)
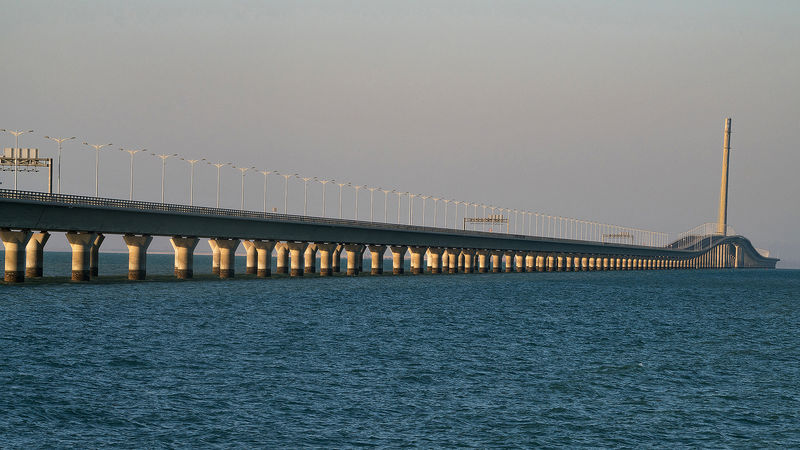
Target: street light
point(191, 162)
point(446, 204)
point(386, 205)
point(286, 190)
point(163, 170)
point(411, 207)
point(435, 209)
point(371, 195)
point(132, 152)
point(340, 196)
point(399, 201)
point(243, 170)
point(59, 140)
point(218, 166)
point(16, 134)
point(97, 148)
point(356, 187)
point(265, 173)
point(305, 193)
point(324, 182)
point(424, 197)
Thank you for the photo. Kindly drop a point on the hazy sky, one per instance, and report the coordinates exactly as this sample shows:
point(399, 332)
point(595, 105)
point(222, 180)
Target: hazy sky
point(611, 111)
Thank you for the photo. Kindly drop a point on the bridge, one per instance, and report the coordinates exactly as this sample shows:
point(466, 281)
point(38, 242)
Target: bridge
point(302, 243)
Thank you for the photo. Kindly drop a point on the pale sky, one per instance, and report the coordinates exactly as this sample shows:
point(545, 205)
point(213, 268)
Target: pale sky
point(606, 111)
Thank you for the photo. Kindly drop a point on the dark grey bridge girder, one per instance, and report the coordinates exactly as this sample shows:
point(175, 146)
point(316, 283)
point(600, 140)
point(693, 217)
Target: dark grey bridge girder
point(109, 218)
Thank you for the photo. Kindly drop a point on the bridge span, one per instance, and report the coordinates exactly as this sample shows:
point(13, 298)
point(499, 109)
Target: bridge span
point(28, 218)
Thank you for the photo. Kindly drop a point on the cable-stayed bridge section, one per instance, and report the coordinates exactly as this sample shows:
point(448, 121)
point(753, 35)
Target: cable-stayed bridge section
point(303, 243)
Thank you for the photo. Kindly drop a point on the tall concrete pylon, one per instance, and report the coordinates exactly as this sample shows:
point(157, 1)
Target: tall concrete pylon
point(722, 223)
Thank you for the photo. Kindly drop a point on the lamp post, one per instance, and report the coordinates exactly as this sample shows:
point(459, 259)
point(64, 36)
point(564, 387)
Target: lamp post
point(446, 205)
point(399, 201)
point(218, 166)
point(59, 141)
point(132, 152)
point(96, 148)
point(265, 173)
point(305, 193)
point(340, 196)
point(286, 190)
point(371, 195)
point(243, 170)
point(424, 197)
point(411, 207)
point(163, 170)
point(356, 187)
point(435, 209)
point(16, 134)
point(324, 182)
point(386, 205)
point(192, 162)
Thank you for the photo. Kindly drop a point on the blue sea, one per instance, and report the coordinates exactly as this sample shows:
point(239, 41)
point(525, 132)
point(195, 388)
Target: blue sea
point(591, 359)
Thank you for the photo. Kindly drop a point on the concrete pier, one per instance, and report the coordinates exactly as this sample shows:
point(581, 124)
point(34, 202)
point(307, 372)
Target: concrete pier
point(184, 256)
point(530, 262)
point(94, 256)
point(469, 260)
point(297, 252)
point(34, 255)
point(461, 261)
point(263, 257)
point(551, 263)
point(81, 244)
point(560, 263)
point(336, 259)
point(251, 265)
point(482, 260)
point(15, 243)
point(354, 252)
point(227, 253)
point(282, 257)
point(214, 256)
point(137, 255)
point(416, 259)
point(452, 260)
point(435, 259)
point(376, 253)
point(540, 262)
point(497, 265)
point(310, 258)
point(518, 262)
point(398, 258)
point(446, 261)
point(326, 252)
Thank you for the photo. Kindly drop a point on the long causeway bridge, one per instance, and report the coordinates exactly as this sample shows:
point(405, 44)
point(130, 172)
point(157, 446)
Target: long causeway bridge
point(303, 243)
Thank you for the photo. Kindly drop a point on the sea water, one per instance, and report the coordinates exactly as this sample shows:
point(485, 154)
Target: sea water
point(655, 358)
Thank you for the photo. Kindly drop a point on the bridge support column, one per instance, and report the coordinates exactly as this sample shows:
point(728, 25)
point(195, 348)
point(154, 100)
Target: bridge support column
point(227, 254)
point(376, 253)
point(325, 259)
point(435, 259)
point(519, 262)
point(446, 261)
point(252, 257)
point(461, 261)
point(530, 262)
point(214, 256)
point(137, 255)
point(94, 256)
point(336, 259)
point(592, 263)
point(540, 262)
point(34, 255)
point(737, 256)
point(184, 255)
point(482, 256)
point(559, 263)
point(263, 257)
point(15, 243)
point(551, 263)
point(469, 260)
point(310, 258)
point(81, 244)
point(568, 263)
point(452, 259)
point(296, 255)
point(398, 258)
point(282, 257)
point(605, 263)
point(496, 262)
point(354, 251)
point(416, 259)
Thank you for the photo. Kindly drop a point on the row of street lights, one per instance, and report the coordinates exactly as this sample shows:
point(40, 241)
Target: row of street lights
point(551, 226)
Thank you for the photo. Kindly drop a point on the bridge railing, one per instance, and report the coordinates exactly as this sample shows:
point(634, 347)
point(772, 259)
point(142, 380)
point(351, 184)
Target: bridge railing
point(701, 237)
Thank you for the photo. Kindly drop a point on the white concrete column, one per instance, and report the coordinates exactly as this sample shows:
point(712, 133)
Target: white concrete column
point(482, 260)
point(541, 262)
point(282, 257)
point(376, 253)
point(514, 261)
point(310, 258)
point(584, 263)
point(568, 263)
point(461, 261)
point(435, 259)
point(469, 260)
point(94, 256)
point(452, 259)
point(137, 255)
point(325, 258)
point(551, 263)
point(416, 259)
point(446, 261)
point(398, 256)
point(530, 262)
point(214, 256)
point(296, 256)
point(354, 252)
point(227, 254)
point(605, 263)
point(184, 255)
point(251, 266)
point(34, 254)
point(497, 265)
point(263, 257)
point(336, 258)
point(14, 243)
point(81, 243)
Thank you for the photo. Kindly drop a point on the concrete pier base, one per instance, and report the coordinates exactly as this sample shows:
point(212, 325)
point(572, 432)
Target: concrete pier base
point(137, 255)
point(497, 262)
point(435, 259)
point(297, 252)
point(214, 256)
point(398, 258)
point(469, 260)
point(354, 252)
point(34, 255)
point(518, 263)
point(227, 252)
point(310, 259)
point(263, 257)
point(184, 256)
point(540, 263)
point(452, 260)
point(416, 259)
point(530, 262)
point(461, 262)
point(81, 244)
point(281, 257)
point(376, 253)
point(94, 256)
point(482, 260)
point(560, 263)
point(551, 263)
point(326, 252)
point(336, 259)
point(15, 243)
point(251, 264)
